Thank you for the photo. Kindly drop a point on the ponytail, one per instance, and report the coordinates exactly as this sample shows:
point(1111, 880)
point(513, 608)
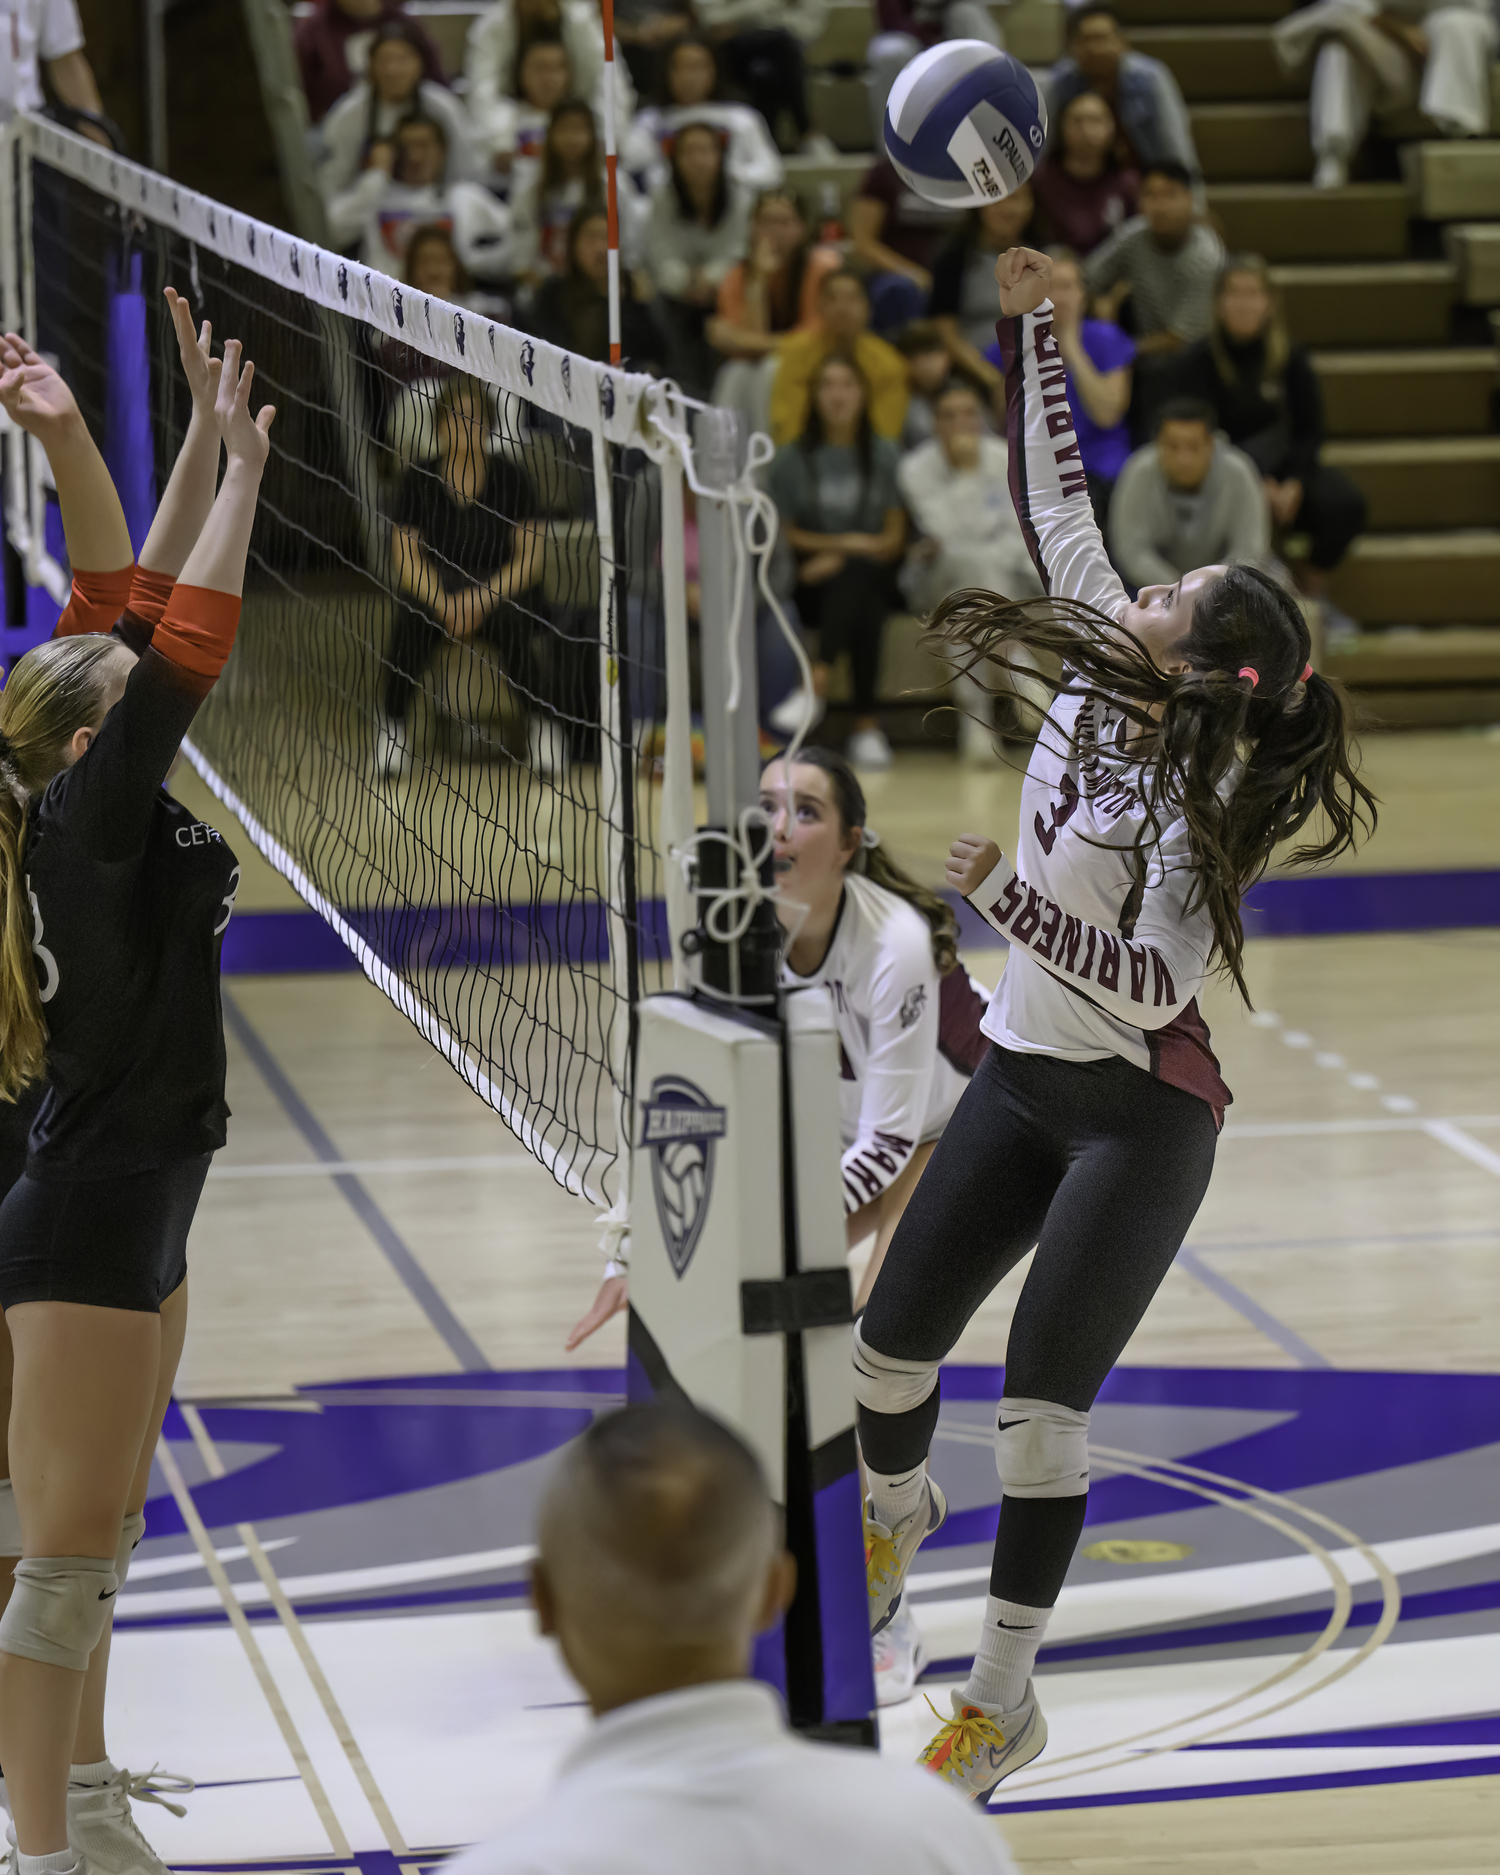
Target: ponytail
point(871, 861)
point(1244, 704)
point(54, 691)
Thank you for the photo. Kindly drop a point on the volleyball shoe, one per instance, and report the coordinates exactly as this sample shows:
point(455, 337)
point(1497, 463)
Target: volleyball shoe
point(899, 1658)
point(889, 1553)
point(981, 1745)
point(102, 1825)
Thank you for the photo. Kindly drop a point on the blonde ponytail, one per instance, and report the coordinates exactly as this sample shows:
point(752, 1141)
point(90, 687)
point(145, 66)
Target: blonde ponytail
point(54, 691)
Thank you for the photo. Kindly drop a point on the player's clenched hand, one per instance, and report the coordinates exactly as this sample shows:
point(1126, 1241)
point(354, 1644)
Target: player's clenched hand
point(1024, 278)
point(199, 368)
point(614, 1294)
point(246, 437)
point(971, 860)
point(32, 393)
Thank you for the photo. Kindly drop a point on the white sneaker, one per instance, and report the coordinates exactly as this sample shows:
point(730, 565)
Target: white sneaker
point(103, 1828)
point(1332, 172)
point(392, 757)
point(980, 1745)
point(868, 748)
point(900, 1656)
point(888, 1553)
point(547, 745)
point(801, 711)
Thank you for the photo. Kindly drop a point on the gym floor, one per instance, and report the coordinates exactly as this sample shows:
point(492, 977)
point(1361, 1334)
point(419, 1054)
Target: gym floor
point(1279, 1645)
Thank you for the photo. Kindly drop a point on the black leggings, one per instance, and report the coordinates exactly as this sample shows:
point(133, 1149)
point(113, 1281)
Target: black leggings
point(1102, 1168)
point(767, 65)
point(848, 612)
point(1333, 511)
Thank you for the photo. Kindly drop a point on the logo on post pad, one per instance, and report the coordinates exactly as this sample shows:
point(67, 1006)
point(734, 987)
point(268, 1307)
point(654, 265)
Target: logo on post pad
point(680, 1124)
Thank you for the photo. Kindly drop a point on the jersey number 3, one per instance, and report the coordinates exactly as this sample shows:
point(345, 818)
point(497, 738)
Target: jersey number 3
point(46, 963)
point(228, 901)
point(1062, 813)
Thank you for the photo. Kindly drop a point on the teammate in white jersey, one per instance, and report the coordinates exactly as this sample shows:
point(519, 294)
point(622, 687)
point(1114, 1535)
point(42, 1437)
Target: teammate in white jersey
point(1189, 738)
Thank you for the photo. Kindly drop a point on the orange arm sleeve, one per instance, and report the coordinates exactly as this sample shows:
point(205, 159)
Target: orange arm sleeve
point(149, 593)
point(95, 603)
point(197, 630)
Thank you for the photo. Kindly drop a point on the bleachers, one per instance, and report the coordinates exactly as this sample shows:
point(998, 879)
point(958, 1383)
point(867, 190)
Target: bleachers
point(1387, 280)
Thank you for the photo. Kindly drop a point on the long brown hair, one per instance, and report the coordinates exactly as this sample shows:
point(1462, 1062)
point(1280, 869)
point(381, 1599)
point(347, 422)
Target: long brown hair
point(55, 690)
point(1278, 345)
point(552, 176)
point(875, 863)
point(1292, 737)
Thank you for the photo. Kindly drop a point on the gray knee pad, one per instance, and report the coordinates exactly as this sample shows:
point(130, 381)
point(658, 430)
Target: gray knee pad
point(1041, 1449)
point(131, 1532)
point(10, 1520)
point(887, 1385)
point(59, 1608)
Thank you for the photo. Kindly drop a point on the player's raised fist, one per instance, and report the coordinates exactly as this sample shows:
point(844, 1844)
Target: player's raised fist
point(1024, 278)
point(971, 860)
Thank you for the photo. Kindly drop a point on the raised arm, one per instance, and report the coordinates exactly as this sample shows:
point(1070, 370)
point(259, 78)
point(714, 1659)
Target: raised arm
point(1047, 479)
point(189, 494)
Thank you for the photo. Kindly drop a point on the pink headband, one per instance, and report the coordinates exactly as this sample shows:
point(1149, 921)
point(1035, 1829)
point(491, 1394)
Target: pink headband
point(1253, 675)
point(1306, 672)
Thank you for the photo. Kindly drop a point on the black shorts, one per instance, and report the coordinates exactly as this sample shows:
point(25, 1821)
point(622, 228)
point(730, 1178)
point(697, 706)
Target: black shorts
point(117, 1243)
point(16, 1117)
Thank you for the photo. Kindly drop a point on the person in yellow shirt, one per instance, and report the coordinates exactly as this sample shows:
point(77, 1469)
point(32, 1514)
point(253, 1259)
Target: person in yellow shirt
point(843, 327)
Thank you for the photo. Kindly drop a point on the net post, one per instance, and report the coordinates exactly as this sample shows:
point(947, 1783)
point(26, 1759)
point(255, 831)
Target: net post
point(17, 474)
point(677, 755)
point(611, 196)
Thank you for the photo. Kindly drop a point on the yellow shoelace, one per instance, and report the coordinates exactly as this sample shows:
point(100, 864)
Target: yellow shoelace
point(881, 1560)
point(959, 1741)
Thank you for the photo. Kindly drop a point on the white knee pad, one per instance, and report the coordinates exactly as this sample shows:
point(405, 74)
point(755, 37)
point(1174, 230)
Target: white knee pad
point(131, 1532)
point(1041, 1449)
point(886, 1385)
point(10, 1520)
point(59, 1608)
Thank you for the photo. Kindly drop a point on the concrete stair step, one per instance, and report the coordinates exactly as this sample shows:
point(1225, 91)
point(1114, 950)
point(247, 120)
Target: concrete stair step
point(1136, 13)
point(1408, 393)
point(1438, 677)
point(1264, 142)
point(1414, 482)
point(1294, 221)
point(1032, 30)
point(1453, 181)
point(1422, 579)
point(1220, 62)
point(1474, 249)
point(1388, 303)
point(808, 175)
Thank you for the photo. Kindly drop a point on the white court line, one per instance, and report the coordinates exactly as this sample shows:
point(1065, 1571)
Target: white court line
point(311, 1666)
point(333, 1168)
point(1449, 1133)
point(1323, 1129)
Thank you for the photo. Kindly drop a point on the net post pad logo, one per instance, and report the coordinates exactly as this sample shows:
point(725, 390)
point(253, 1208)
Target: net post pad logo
point(680, 1124)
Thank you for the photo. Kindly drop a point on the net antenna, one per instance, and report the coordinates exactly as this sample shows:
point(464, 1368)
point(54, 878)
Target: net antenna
point(611, 195)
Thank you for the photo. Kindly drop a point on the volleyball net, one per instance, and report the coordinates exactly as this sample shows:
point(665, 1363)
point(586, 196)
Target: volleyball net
point(446, 718)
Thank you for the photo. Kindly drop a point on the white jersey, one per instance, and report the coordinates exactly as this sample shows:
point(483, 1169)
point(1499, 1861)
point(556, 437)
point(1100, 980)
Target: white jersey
point(908, 1041)
point(1098, 965)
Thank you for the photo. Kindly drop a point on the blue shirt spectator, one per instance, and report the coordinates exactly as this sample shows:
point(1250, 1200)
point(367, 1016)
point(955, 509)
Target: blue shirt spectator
point(1143, 94)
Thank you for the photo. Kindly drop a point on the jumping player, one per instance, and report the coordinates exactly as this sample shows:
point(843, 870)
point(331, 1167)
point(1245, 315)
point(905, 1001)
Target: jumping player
point(1189, 738)
point(113, 901)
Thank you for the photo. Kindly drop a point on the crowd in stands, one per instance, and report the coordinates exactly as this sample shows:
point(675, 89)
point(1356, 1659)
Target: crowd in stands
point(868, 355)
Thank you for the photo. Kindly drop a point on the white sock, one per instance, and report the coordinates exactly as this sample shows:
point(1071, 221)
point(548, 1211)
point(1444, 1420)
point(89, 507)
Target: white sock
point(893, 1499)
point(1007, 1654)
point(60, 1862)
point(91, 1776)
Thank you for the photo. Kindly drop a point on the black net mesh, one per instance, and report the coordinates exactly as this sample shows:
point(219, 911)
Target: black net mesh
point(421, 711)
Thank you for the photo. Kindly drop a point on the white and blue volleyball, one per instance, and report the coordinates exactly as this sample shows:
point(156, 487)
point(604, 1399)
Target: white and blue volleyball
point(965, 124)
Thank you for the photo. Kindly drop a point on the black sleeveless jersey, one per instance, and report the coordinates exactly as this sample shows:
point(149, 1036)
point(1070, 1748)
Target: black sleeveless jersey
point(130, 895)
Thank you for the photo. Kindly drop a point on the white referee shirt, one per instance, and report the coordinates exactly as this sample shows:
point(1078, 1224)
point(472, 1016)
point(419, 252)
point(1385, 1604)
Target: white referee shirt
point(32, 30)
point(708, 1781)
point(900, 1078)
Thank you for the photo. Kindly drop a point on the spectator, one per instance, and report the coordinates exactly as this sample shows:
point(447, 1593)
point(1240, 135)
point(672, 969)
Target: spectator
point(906, 27)
point(545, 200)
point(963, 304)
point(1142, 93)
point(957, 491)
point(511, 127)
point(1431, 55)
point(334, 40)
point(393, 87)
point(1188, 499)
point(699, 228)
point(660, 1560)
point(463, 548)
point(47, 36)
point(688, 92)
point(406, 185)
point(929, 370)
point(843, 327)
point(1268, 401)
point(571, 309)
point(837, 494)
point(767, 297)
point(895, 234)
point(498, 39)
point(642, 28)
point(761, 43)
point(1099, 358)
point(1082, 193)
point(1167, 262)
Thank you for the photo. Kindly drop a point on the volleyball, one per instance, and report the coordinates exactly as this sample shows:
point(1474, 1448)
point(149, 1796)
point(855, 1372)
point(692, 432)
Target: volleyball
point(965, 124)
